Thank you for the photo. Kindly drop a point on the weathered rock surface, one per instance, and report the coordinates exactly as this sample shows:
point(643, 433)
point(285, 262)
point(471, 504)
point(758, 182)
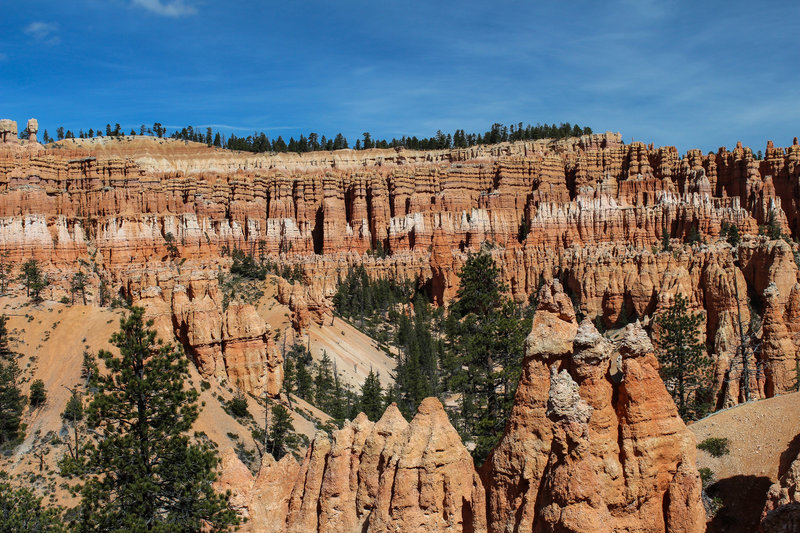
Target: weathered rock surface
point(594, 442)
point(782, 508)
point(590, 211)
point(390, 475)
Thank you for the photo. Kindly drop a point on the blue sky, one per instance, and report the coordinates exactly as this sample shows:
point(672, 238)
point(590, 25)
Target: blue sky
point(690, 74)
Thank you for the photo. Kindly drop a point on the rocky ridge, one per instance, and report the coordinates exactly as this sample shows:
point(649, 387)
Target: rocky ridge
point(590, 211)
point(594, 443)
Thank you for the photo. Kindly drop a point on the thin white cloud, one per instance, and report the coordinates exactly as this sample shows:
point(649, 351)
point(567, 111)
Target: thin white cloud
point(43, 32)
point(166, 8)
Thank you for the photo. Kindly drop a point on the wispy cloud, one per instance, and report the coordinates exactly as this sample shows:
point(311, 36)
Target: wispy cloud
point(166, 8)
point(43, 32)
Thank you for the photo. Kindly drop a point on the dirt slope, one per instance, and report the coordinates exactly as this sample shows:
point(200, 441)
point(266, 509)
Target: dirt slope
point(764, 438)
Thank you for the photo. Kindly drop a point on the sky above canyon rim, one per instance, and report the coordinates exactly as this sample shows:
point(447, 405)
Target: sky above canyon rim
point(684, 73)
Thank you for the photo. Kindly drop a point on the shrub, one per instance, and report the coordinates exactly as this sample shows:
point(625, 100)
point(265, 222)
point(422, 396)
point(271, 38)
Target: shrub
point(38, 394)
point(706, 476)
point(716, 446)
point(238, 406)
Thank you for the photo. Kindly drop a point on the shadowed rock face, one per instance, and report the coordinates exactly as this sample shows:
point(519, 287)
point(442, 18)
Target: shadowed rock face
point(782, 509)
point(594, 442)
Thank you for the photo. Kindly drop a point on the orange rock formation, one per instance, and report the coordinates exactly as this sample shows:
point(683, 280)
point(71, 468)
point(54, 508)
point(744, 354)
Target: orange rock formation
point(590, 211)
point(594, 442)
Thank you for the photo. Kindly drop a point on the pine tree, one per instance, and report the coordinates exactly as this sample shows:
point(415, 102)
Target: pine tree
point(12, 401)
point(684, 365)
point(38, 394)
point(304, 383)
point(324, 384)
point(33, 279)
point(22, 511)
point(371, 402)
point(279, 431)
point(482, 364)
point(78, 286)
point(141, 472)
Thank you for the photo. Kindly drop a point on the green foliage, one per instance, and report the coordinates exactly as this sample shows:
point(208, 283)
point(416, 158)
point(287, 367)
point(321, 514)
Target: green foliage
point(237, 406)
point(33, 279)
point(246, 266)
point(684, 366)
point(715, 446)
point(38, 394)
point(730, 232)
point(706, 476)
point(140, 471)
point(486, 334)
point(524, 229)
point(772, 228)
point(73, 411)
point(22, 511)
point(417, 375)
point(694, 235)
point(5, 271)
point(358, 297)
point(666, 245)
point(78, 286)
point(12, 401)
point(324, 384)
point(371, 402)
point(172, 248)
point(280, 432)
point(297, 379)
point(103, 295)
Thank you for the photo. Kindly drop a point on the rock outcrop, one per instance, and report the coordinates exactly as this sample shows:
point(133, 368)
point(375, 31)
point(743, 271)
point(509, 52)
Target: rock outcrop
point(782, 508)
point(594, 441)
point(390, 475)
point(590, 211)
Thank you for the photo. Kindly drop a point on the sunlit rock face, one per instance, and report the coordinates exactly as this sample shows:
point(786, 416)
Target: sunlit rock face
point(590, 211)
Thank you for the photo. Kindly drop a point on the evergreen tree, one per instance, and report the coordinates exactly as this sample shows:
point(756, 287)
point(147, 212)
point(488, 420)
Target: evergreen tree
point(304, 383)
point(482, 365)
point(772, 228)
point(38, 394)
point(73, 418)
point(371, 402)
point(279, 431)
point(324, 383)
point(684, 365)
point(666, 245)
point(172, 248)
point(33, 279)
point(694, 235)
point(12, 401)
point(22, 511)
point(141, 472)
point(78, 286)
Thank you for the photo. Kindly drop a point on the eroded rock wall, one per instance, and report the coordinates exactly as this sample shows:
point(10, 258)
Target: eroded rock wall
point(594, 441)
